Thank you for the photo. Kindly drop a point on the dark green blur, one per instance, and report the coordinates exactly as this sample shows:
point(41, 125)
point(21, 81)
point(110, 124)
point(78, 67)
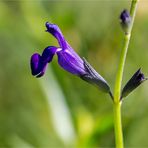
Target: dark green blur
point(30, 116)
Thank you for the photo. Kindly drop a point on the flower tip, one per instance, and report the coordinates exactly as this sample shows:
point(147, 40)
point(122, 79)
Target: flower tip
point(140, 75)
point(139, 71)
point(52, 28)
point(49, 25)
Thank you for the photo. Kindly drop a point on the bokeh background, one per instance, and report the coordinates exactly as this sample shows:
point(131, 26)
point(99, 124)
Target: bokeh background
point(59, 109)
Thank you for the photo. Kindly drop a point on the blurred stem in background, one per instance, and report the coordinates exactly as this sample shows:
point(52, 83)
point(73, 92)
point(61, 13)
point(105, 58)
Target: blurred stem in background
point(118, 82)
point(58, 107)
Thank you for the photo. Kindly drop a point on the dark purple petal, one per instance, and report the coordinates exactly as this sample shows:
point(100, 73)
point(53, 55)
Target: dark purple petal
point(42, 70)
point(39, 63)
point(48, 54)
point(56, 32)
point(133, 83)
point(35, 63)
point(37, 66)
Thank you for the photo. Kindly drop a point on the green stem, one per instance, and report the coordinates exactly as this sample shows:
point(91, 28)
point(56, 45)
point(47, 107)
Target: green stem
point(118, 82)
point(118, 125)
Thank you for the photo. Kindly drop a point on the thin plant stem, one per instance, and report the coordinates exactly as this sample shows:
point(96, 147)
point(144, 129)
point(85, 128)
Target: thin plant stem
point(118, 82)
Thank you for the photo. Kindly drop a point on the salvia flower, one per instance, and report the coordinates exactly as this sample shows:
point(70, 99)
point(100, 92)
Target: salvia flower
point(68, 59)
point(125, 19)
point(133, 83)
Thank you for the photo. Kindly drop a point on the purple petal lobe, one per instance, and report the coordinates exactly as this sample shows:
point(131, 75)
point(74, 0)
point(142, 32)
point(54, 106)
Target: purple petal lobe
point(35, 63)
point(56, 32)
point(42, 71)
point(39, 63)
point(48, 54)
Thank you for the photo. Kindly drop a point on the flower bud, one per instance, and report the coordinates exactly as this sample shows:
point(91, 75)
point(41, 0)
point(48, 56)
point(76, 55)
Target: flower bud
point(125, 19)
point(133, 83)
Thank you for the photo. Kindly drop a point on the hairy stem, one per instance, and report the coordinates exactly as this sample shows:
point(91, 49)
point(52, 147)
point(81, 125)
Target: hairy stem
point(118, 82)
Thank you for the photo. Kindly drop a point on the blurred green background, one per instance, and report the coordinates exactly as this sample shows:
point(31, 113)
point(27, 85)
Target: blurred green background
point(59, 109)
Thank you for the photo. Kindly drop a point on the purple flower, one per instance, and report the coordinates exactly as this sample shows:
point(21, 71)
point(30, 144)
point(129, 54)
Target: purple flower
point(68, 59)
point(133, 83)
